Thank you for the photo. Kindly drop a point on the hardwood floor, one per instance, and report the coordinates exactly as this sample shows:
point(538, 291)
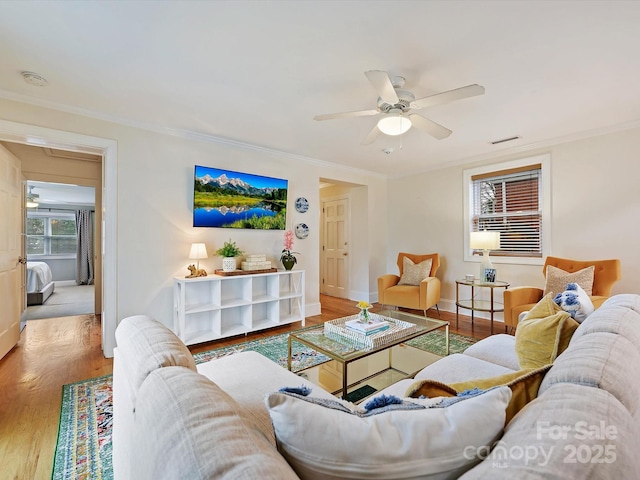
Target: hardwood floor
point(333, 308)
point(55, 352)
point(50, 353)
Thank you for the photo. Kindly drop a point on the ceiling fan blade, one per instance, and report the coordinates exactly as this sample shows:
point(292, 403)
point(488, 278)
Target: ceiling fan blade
point(371, 137)
point(429, 126)
point(382, 84)
point(449, 96)
point(359, 113)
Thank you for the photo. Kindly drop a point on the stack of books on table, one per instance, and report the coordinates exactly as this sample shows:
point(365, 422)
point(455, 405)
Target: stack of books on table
point(256, 262)
point(367, 328)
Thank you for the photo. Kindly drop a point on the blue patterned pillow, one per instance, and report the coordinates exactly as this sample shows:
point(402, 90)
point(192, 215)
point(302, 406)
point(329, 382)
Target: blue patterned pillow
point(575, 301)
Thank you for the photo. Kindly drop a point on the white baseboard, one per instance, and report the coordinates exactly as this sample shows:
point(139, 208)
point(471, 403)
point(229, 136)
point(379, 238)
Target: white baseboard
point(311, 309)
point(65, 283)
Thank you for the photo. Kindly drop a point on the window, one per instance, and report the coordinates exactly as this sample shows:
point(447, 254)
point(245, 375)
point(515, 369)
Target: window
point(510, 199)
point(51, 234)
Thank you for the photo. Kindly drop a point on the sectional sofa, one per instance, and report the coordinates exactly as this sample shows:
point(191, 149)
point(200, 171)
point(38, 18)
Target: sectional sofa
point(227, 418)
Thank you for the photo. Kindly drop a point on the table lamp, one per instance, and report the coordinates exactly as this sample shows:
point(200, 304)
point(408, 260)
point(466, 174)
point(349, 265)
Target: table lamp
point(198, 251)
point(485, 241)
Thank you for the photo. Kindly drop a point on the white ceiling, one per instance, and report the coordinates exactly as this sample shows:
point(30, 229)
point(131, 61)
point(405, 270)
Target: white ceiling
point(60, 195)
point(257, 72)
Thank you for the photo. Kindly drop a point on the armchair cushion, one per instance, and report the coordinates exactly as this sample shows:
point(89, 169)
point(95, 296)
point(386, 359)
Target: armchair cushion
point(557, 279)
point(413, 274)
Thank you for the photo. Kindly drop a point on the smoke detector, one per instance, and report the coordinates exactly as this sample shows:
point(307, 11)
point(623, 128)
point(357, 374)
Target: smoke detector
point(34, 79)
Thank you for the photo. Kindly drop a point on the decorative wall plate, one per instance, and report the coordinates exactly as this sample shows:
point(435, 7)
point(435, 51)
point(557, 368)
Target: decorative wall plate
point(302, 230)
point(302, 204)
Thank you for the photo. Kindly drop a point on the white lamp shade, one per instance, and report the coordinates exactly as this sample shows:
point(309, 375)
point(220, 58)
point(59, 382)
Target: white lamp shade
point(198, 251)
point(394, 124)
point(484, 240)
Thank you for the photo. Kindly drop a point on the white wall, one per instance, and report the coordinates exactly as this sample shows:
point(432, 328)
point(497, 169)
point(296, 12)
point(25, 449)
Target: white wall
point(595, 206)
point(595, 198)
point(155, 185)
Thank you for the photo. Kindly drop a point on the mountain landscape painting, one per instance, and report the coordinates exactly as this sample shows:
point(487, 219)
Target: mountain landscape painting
point(227, 199)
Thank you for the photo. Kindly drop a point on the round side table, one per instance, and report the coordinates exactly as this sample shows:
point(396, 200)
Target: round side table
point(479, 305)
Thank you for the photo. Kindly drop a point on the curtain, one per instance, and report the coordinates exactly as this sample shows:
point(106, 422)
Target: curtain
point(84, 253)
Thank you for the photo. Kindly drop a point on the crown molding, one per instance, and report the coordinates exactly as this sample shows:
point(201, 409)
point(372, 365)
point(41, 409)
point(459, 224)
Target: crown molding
point(520, 149)
point(179, 133)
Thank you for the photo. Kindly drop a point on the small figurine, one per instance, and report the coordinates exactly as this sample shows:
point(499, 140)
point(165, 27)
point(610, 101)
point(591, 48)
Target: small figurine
point(196, 272)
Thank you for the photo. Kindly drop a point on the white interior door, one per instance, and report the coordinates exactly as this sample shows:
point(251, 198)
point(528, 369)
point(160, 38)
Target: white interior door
point(335, 247)
point(10, 250)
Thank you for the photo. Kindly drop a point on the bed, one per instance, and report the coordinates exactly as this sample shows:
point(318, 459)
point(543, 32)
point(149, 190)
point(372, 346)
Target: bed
point(39, 283)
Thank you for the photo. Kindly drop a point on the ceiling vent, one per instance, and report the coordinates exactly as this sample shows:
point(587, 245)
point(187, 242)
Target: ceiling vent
point(496, 142)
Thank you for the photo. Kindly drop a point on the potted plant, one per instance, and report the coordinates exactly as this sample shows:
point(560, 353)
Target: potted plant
point(229, 251)
point(288, 258)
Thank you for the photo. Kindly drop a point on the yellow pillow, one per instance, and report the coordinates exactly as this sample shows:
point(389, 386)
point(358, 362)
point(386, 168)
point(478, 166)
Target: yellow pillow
point(544, 308)
point(524, 385)
point(543, 334)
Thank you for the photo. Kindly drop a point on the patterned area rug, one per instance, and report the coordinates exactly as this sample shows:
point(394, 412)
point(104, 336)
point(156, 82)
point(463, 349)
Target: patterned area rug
point(83, 451)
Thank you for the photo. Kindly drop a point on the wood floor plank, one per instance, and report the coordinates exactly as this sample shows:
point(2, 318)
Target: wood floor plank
point(58, 351)
point(50, 354)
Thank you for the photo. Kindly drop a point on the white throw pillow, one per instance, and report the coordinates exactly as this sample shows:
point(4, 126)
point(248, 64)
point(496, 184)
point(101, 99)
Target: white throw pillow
point(330, 440)
point(413, 274)
point(575, 301)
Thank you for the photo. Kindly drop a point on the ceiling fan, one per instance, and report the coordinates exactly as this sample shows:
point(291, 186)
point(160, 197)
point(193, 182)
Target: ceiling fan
point(32, 198)
point(395, 105)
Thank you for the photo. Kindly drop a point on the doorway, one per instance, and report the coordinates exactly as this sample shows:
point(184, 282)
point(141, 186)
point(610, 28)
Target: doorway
point(58, 285)
point(344, 242)
point(106, 203)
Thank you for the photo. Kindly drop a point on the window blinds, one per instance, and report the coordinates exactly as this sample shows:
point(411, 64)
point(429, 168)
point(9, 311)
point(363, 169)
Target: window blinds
point(508, 202)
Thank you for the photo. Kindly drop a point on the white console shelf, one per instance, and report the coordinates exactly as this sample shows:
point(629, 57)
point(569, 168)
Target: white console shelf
point(213, 307)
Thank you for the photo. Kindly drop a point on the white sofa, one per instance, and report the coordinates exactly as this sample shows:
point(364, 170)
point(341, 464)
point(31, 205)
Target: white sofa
point(173, 419)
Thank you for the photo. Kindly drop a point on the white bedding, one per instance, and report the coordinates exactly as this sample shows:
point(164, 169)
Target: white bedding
point(38, 276)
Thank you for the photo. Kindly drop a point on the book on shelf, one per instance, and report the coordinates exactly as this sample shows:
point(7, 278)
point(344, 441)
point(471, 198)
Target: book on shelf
point(371, 327)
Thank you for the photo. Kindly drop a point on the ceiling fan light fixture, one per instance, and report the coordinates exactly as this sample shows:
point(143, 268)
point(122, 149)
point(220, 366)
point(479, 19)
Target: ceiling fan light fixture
point(32, 199)
point(394, 124)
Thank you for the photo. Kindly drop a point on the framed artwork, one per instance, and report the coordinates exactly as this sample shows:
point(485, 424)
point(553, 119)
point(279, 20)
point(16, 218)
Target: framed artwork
point(228, 199)
point(489, 275)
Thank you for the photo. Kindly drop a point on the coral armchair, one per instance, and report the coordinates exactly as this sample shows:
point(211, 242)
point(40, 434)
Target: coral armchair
point(422, 296)
point(521, 299)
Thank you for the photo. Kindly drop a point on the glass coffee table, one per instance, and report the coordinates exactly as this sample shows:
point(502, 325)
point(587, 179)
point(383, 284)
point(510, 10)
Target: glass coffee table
point(346, 349)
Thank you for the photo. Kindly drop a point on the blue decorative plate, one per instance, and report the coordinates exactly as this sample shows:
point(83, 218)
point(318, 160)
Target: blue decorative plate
point(302, 230)
point(302, 204)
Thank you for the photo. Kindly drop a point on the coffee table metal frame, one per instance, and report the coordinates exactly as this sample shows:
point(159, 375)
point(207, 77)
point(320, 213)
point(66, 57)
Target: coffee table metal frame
point(346, 352)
